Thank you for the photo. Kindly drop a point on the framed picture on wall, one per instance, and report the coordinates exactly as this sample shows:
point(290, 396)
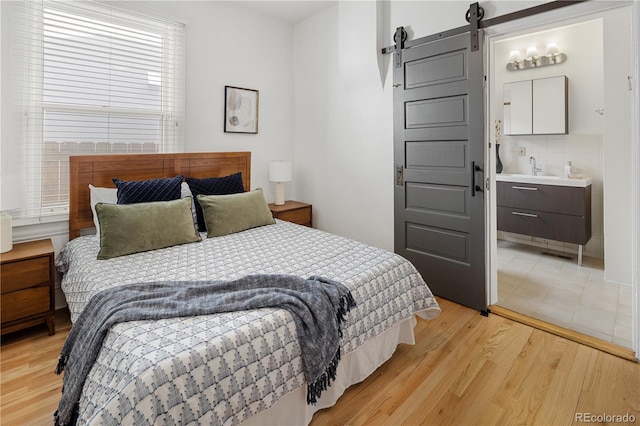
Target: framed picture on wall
point(240, 110)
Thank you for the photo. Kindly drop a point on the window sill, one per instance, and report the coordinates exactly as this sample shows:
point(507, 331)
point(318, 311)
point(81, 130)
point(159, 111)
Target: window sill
point(27, 221)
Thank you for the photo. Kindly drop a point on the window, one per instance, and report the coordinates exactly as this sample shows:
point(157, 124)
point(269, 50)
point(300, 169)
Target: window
point(98, 80)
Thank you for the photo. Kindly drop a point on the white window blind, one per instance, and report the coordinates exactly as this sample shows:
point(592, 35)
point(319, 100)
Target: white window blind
point(97, 80)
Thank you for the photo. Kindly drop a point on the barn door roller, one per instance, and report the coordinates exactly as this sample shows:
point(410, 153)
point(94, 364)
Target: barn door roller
point(473, 17)
point(399, 38)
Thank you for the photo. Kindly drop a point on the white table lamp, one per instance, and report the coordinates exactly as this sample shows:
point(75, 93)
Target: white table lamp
point(12, 197)
point(279, 172)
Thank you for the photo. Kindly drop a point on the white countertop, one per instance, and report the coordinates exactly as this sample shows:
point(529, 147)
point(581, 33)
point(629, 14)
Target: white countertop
point(543, 180)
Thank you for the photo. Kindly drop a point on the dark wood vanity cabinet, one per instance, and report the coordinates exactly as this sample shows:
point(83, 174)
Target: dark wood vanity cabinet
point(560, 213)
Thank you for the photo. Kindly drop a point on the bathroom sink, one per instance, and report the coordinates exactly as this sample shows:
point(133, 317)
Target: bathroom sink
point(544, 180)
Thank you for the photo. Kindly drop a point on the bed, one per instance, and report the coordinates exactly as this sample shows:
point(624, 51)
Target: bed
point(240, 367)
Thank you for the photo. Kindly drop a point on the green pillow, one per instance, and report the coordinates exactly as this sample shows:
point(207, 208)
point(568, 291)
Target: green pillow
point(226, 214)
point(133, 228)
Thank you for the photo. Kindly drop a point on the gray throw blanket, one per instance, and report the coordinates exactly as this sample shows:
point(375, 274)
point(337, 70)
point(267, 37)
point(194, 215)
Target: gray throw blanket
point(317, 305)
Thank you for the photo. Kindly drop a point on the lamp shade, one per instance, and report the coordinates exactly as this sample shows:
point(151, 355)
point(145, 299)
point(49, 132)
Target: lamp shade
point(532, 51)
point(552, 49)
point(514, 56)
point(280, 171)
point(12, 197)
point(12, 192)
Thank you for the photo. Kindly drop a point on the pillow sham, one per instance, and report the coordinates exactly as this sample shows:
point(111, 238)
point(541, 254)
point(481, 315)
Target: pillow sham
point(186, 192)
point(134, 228)
point(227, 214)
point(145, 191)
point(231, 184)
point(101, 195)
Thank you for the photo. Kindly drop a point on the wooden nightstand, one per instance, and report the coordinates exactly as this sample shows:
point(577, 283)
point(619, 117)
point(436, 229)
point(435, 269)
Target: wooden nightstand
point(27, 286)
point(293, 211)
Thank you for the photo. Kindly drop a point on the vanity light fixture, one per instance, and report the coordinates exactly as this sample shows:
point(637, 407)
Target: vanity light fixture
point(552, 49)
point(514, 60)
point(532, 59)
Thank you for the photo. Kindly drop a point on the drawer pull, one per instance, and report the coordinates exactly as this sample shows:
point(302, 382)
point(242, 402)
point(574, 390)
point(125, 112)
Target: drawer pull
point(526, 188)
point(524, 214)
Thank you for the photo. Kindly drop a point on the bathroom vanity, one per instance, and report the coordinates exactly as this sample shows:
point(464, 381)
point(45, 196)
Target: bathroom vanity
point(550, 207)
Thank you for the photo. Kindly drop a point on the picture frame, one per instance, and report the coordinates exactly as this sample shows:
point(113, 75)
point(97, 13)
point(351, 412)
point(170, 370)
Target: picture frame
point(240, 110)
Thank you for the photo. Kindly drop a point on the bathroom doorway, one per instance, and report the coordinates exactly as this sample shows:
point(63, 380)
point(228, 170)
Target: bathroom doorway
point(538, 277)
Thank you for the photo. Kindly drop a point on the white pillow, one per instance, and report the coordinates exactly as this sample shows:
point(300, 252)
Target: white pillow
point(110, 196)
point(185, 191)
point(101, 195)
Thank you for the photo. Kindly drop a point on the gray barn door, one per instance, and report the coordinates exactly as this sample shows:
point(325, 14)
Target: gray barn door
point(439, 160)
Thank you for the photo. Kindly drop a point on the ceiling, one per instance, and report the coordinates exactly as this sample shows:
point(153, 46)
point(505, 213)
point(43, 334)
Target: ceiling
point(287, 10)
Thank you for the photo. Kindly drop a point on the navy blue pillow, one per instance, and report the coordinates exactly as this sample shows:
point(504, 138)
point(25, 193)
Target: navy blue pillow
point(231, 184)
point(144, 191)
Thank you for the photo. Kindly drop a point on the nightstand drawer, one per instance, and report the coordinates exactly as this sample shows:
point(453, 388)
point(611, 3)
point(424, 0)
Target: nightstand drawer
point(293, 211)
point(300, 216)
point(547, 198)
point(553, 226)
point(24, 303)
point(24, 274)
point(27, 278)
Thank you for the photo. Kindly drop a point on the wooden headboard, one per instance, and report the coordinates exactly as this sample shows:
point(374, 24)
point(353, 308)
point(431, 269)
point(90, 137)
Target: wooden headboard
point(98, 170)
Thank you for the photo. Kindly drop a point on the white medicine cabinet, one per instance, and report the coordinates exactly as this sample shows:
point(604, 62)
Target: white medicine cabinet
point(536, 107)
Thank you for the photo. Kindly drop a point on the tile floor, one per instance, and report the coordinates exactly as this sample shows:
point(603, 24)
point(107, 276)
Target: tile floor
point(555, 289)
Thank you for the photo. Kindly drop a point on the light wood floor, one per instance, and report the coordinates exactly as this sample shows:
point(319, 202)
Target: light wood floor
point(465, 369)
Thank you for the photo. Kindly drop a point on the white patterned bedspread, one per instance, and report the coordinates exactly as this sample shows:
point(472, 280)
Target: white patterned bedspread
point(222, 369)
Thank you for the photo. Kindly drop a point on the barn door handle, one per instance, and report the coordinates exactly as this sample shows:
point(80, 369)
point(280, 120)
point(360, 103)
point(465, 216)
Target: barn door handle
point(399, 174)
point(475, 188)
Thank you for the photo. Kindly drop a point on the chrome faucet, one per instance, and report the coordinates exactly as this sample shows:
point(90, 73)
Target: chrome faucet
point(534, 169)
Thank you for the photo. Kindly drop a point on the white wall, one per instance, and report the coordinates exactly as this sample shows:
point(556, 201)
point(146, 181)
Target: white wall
point(6, 150)
point(618, 148)
point(1, 61)
point(635, 228)
point(231, 45)
point(343, 124)
point(343, 108)
point(352, 194)
point(338, 128)
point(226, 45)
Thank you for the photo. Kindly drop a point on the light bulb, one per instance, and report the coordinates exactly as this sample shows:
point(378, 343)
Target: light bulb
point(552, 49)
point(532, 51)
